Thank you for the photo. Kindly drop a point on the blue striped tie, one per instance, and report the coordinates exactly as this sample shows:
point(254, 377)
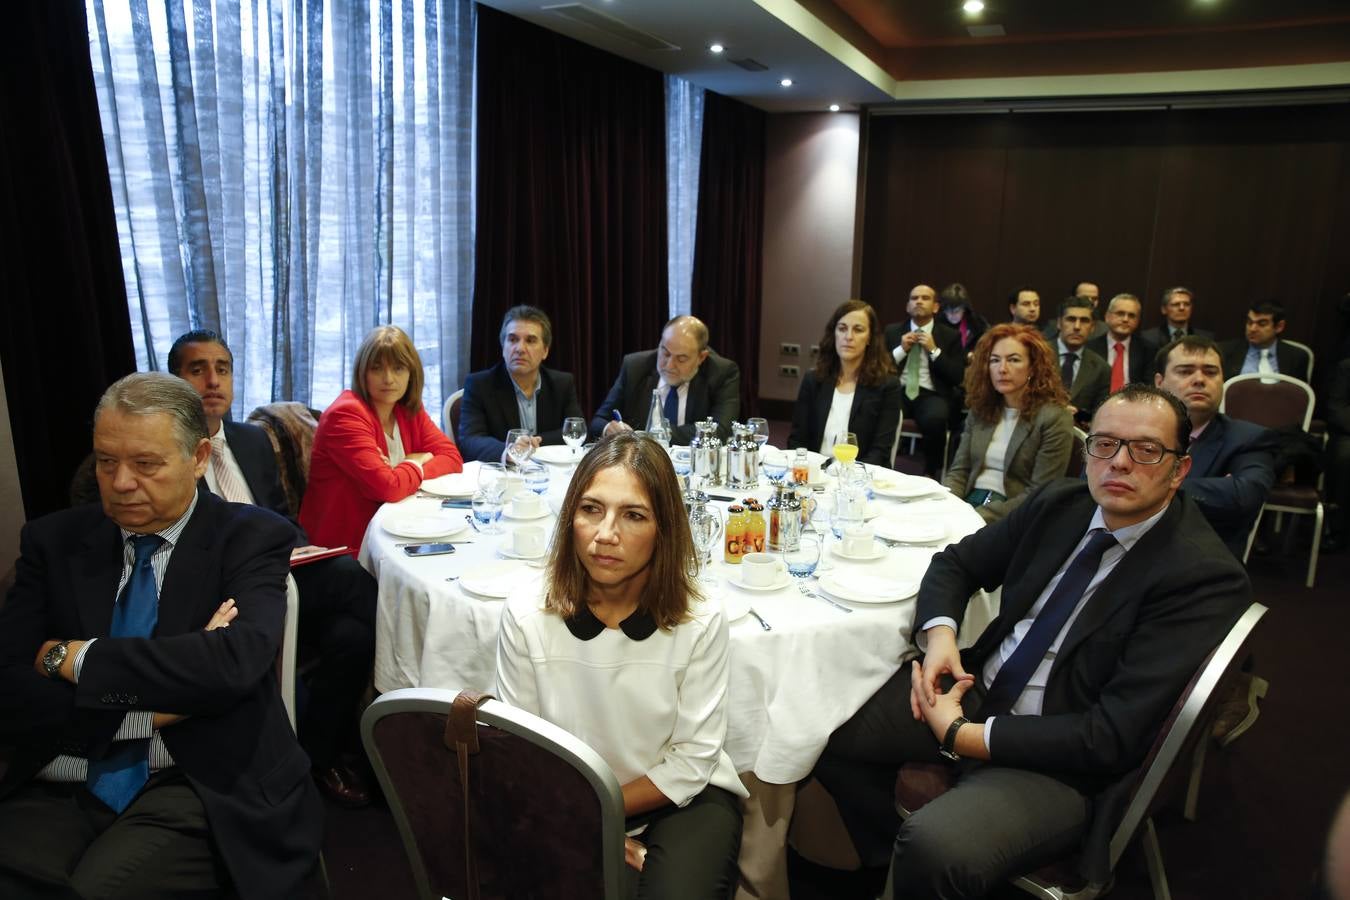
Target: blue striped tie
point(122, 772)
point(671, 409)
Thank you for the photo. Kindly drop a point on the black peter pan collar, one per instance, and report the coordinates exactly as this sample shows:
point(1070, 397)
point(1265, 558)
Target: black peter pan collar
point(584, 625)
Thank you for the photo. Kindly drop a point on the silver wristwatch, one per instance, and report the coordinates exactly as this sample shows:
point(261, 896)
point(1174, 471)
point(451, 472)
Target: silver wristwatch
point(53, 659)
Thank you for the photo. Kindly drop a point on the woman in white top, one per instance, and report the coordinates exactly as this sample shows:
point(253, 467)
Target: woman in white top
point(620, 649)
point(853, 387)
point(1019, 432)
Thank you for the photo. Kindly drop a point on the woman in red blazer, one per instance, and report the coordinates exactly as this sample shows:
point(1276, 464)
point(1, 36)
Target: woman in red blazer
point(375, 443)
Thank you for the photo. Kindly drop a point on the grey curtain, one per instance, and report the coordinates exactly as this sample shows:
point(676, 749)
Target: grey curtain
point(292, 173)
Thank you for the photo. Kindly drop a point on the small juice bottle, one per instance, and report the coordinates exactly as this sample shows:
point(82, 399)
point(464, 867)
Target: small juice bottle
point(755, 529)
point(735, 534)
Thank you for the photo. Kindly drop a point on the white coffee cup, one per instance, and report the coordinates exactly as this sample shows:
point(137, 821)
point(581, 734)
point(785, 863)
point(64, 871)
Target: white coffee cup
point(762, 569)
point(526, 504)
point(857, 540)
point(528, 541)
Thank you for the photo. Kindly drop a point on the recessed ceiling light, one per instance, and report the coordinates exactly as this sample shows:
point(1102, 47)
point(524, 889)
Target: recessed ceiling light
point(834, 107)
point(973, 6)
point(786, 82)
point(715, 48)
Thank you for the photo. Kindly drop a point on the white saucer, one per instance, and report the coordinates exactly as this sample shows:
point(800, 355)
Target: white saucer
point(911, 532)
point(867, 588)
point(556, 455)
point(455, 485)
point(510, 553)
point(735, 580)
point(543, 513)
point(878, 551)
point(422, 525)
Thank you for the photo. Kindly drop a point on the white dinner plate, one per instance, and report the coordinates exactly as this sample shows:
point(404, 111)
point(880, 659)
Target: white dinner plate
point(496, 580)
point(735, 579)
point(423, 525)
point(906, 487)
point(556, 455)
point(857, 588)
point(544, 513)
point(911, 531)
point(877, 552)
point(456, 485)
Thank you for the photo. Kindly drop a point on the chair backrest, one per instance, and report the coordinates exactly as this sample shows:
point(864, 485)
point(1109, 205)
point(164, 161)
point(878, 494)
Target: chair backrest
point(1306, 349)
point(1178, 736)
point(450, 415)
point(291, 427)
point(546, 812)
point(1269, 399)
point(286, 653)
point(1076, 461)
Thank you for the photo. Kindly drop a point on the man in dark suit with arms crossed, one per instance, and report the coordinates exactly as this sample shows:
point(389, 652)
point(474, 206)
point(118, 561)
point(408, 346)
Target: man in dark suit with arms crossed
point(153, 756)
point(337, 596)
point(1113, 591)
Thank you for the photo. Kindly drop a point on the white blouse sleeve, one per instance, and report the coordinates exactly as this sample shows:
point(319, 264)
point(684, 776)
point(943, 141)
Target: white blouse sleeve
point(700, 730)
point(516, 681)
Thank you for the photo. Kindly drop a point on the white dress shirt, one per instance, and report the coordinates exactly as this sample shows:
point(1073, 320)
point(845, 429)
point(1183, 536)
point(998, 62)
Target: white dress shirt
point(227, 456)
point(682, 392)
point(840, 409)
point(899, 355)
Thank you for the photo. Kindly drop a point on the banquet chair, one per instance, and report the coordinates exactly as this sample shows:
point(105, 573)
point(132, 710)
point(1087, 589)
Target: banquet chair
point(1279, 401)
point(450, 415)
point(1312, 358)
point(1076, 462)
point(1177, 752)
point(493, 802)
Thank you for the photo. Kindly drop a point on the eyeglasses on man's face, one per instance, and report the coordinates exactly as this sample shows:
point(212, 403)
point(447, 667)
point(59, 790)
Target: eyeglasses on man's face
point(1144, 451)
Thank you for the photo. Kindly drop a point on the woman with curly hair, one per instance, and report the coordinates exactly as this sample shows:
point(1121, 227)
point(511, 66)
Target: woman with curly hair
point(1019, 432)
point(853, 387)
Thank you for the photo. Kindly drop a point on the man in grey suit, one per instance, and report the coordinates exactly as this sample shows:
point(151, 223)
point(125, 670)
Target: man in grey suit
point(1086, 375)
point(1114, 589)
point(694, 383)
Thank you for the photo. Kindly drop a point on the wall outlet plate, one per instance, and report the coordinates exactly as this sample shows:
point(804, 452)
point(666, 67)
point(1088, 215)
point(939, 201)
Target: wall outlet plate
point(789, 371)
point(787, 349)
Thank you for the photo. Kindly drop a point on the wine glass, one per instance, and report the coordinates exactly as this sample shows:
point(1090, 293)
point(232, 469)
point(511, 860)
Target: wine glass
point(845, 447)
point(705, 527)
point(536, 478)
point(519, 446)
point(574, 433)
point(492, 479)
point(759, 430)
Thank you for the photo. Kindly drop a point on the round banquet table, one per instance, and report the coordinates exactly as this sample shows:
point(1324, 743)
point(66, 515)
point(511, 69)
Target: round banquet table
point(790, 686)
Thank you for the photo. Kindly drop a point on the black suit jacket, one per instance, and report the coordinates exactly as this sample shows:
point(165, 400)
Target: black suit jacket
point(488, 410)
point(1232, 470)
point(874, 417)
point(1292, 361)
point(236, 747)
point(252, 449)
point(1091, 383)
point(1137, 355)
point(949, 369)
point(1127, 656)
point(715, 391)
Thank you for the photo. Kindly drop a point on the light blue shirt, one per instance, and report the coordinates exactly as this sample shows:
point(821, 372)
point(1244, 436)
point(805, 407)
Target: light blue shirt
point(528, 406)
point(1252, 363)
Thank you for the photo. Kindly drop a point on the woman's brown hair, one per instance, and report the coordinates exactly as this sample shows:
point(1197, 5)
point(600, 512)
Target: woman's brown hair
point(389, 344)
point(671, 587)
point(1043, 381)
point(877, 364)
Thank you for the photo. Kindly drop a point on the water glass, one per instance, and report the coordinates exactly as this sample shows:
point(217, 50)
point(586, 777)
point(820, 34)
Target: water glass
point(492, 480)
point(848, 510)
point(487, 513)
point(681, 459)
point(775, 466)
point(536, 478)
point(519, 446)
point(801, 562)
point(574, 434)
point(759, 430)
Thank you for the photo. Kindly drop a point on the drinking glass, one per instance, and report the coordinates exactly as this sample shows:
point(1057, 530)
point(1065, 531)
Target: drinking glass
point(492, 480)
point(705, 526)
point(775, 466)
point(856, 478)
point(848, 510)
point(801, 562)
point(519, 446)
point(681, 459)
point(574, 434)
point(845, 447)
point(487, 512)
point(759, 430)
point(536, 478)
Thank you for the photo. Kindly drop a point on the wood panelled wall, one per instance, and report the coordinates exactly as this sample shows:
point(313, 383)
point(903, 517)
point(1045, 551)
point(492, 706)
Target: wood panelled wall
point(1238, 204)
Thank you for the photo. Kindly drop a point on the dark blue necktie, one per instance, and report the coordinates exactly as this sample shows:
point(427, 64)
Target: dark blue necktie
point(1066, 370)
point(671, 410)
point(122, 772)
point(1012, 679)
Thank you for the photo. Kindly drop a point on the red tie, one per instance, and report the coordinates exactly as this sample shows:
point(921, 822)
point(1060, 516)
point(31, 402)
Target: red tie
point(1118, 368)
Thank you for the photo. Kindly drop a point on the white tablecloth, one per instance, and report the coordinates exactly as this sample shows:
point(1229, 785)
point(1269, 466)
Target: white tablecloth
point(790, 687)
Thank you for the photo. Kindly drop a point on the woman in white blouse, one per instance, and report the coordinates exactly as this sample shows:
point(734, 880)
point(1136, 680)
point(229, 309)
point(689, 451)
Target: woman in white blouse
point(1018, 432)
point(619, 648)
point(853, 387)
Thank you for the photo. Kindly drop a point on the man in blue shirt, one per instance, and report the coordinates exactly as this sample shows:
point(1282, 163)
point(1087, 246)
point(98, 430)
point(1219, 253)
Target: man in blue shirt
point(1263, 351)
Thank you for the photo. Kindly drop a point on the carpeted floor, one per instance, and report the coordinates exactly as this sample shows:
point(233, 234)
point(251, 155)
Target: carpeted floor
point(1264, 808)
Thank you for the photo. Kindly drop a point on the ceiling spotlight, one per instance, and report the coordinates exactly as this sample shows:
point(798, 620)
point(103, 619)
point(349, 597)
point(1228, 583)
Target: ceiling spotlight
point(834, 107)
point(786, 82)
point(973, 6)
point(715, 48)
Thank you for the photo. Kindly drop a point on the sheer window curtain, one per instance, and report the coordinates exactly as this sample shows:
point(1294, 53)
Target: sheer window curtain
point(684, 138)
point(292, 173)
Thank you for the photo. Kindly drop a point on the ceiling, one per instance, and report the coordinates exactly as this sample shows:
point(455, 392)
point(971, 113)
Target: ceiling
point(857, 52)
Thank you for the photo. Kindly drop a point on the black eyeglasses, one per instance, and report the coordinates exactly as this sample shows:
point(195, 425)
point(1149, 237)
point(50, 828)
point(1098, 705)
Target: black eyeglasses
point(1141, 450)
